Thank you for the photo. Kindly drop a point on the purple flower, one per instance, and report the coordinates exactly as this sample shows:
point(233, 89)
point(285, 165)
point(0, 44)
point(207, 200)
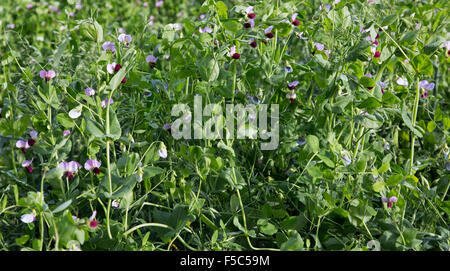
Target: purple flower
point(78, 6)
point(69, 168)
point(29, 6)
point(294, 21)
point(92, 222)
point(301, 141)
point(34, 134)
point(151, 59)
point(89, 92)
point(113, 67)
point(66, 132)
point(125, 38)
point(167, 126)
point(346, 159)
point(159, 4)
point(288, 69)
point(389, 201)
point(93, 164)
point(47, 75)
point(207, 29)
point(109, 46)
point(104, 103)
point(11, 26)
point(268, 31)
point(319, 46)
point(368, 75)
point(233, 53)
point(424, 84)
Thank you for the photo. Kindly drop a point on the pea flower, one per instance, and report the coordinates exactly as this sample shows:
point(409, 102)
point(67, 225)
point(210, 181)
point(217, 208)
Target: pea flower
point(252, 43)
point(159, 4)
point(268, 33)
point(28, 218)
point(389, 200)
point(11, 26)
point(23, 145)
point(78, 6)
point(27, 165)
point(249, 12)
point(291, 97)
point(202, 16)
point(113, 67)
point(75, 113)
point(69, 168)
point(382, 85)
point(66, 132)
point(292, 85)
point(319, 46)
point(162, 152)
point(233, 53)
point(92, 222)
point(402, 82)
point(151, 20)
point(29, 6)
point(293, 20)
point(32, 140)
point(115, 204)
point(168, 127)
point(347, 160)
point(104, 102)
point(125, 38)
point(109, 46)
point(93, 164)
point(47, 75)
point(207, 29)
point(301, 141)
point(249, 24)
point(89, 92)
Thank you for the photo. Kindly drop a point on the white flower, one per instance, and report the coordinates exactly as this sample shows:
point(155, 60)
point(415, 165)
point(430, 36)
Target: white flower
point(402, 81)
point(75, 113)
point(28, 218)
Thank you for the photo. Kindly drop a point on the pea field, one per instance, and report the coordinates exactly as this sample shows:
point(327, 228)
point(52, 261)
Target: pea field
point(191, 125)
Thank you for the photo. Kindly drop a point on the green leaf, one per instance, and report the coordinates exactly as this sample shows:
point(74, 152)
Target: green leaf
point(22, 240)
point(99, 31)
point(266, 227)
point(214, 70)
point(389, 98)
point(384, 168)
point(367, 81)
point(152, 171)
point(222, 10)
point(294, 243)
point(394, 180)
point(378, 186)
point(62, 206)
point(117, 79)
point(431, 126)
point(55, 173)
point(423, 64)
point(388, 20)
point(94, 128)
point(315, 172)
point(410, 37)
point(21, 125)
point(369, 103)
point(115, 130)
point(232, 26)
point(65, 120)
point(326, 160)
point(313, 142)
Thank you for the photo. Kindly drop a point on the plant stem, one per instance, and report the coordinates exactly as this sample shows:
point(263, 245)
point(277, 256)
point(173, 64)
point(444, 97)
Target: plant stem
point(109, 167)
point(414, 116)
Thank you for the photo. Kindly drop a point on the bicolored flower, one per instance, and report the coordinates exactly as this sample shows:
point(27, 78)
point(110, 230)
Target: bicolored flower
point(426, 87)
point(28, 218)
point(377, 54)
point(249, 12)
point(89, 92)
point(291, 96)
point(389, 200)
point(252, 43)
point(268, 32)
point(92, 222)
point(233, 53)
point(124, 38)
point(292, 85)
point(47, 75)
point(69, 168)
point(168, 127)
point(294, 21)
point(32, 140)
point(94, 165)
point(151, 60)
point(109, 46)
point(105, 102)
point(27, 165)
point(249, 24)
point(113, 67)
point(382, 85)
point(23, 145)
point(115, 204)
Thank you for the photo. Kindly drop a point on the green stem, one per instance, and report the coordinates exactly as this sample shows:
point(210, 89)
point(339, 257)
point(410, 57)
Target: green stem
point(109, 167)
point(414, 116)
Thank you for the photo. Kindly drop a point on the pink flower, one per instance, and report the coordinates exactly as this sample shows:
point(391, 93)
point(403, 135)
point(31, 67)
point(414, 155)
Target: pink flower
point(69, 168)
point(145, 5)
point(159, 4)
point(389, 201)
point(29, 6)
point(202, 16)
point(104, 103)
point(293, 20)
point(291, 96)
point(250, 13)
point(93, 164)
point(92, 222)
point(78, 6)
point(66, 132)
point(252, 43)
point(109, 46)
point(34, 134)
point(89, 92)
point(113, 67)
point(27, 165)
point(319, 46)
point(47, 75)
point(28, 218)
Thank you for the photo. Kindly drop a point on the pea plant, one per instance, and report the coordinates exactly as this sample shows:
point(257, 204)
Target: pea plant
point(89, 153)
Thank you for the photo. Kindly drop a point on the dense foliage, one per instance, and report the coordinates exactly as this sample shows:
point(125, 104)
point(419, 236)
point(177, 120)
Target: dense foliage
point(363, 92)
